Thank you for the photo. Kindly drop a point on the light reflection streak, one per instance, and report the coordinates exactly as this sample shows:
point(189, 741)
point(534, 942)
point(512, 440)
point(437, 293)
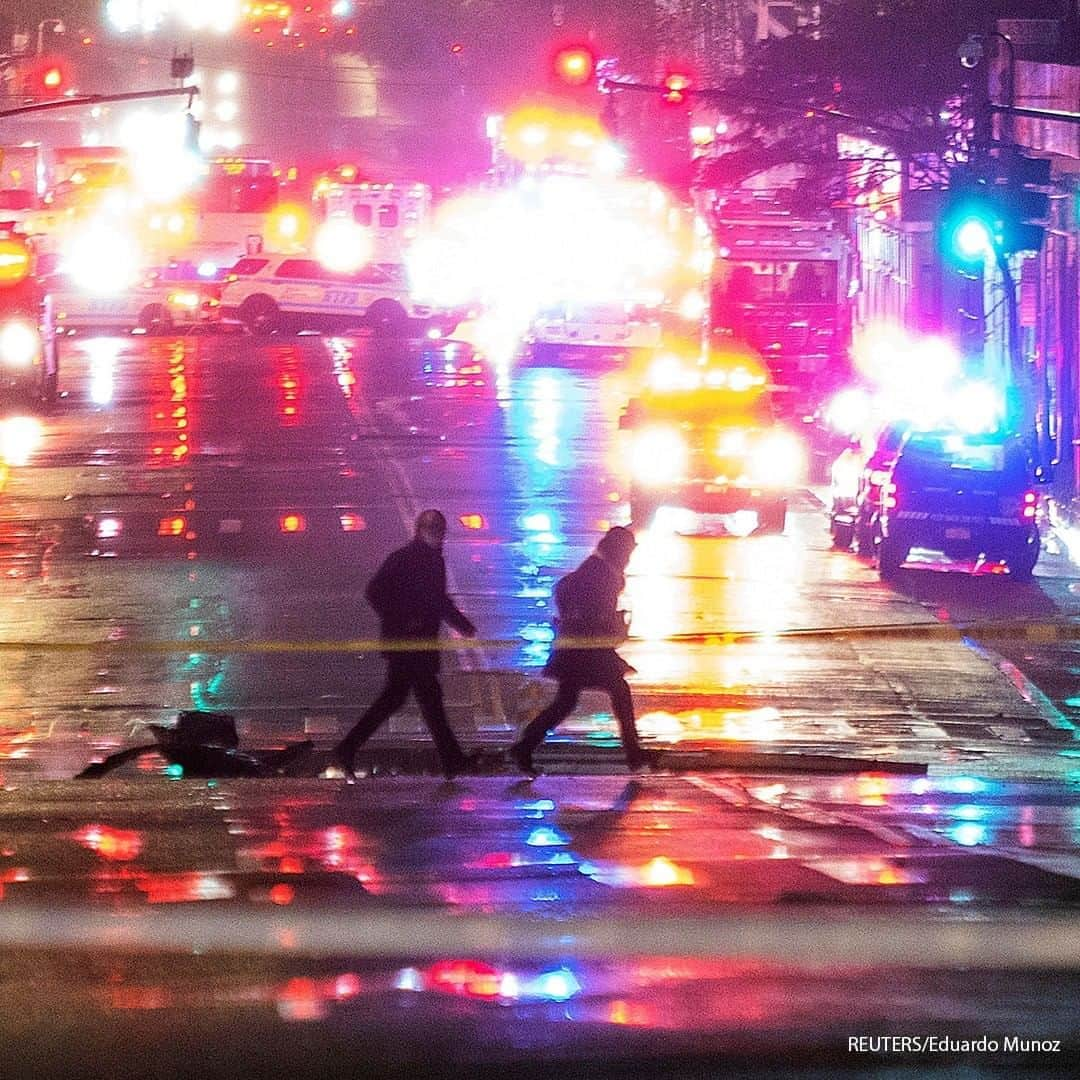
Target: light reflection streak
point(20, 438)
point(659, 872)
point(103, 354)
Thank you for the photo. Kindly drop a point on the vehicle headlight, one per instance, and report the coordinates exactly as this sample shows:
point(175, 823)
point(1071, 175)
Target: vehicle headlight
point(731, 443)
point(20, 343)
point(778, 460)
point(659, 455)
point(693, 306)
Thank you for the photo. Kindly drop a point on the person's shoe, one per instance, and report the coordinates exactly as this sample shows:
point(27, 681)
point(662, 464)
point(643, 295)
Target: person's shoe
point(522, 758)
point(343, 757)
point(464, 764)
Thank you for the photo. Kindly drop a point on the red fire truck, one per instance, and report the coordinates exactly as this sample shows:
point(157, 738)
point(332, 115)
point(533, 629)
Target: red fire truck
point(780, 286)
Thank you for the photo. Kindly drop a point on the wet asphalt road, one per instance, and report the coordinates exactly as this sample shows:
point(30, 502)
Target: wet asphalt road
point(212, 492)
point(192, 528)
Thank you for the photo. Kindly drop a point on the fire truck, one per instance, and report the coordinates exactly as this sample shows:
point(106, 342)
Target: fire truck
point(780, 286)
point(29, 354)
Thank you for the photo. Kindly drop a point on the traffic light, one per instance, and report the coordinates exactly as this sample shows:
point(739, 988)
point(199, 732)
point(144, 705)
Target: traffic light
point(1024, 211)
point(996, 212)
point(575, 65)
point(47, 79)
point(676, 88)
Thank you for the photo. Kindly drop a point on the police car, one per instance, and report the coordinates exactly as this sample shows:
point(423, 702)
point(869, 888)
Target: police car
point(968, 497)
point(167, 297)
point(275, 292)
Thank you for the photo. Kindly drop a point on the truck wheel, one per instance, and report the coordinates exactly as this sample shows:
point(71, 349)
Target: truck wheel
point(890, 557)
point(842, 536)
point(155, 317)
point(260, 314)
point(388, 318)
point(772, 517)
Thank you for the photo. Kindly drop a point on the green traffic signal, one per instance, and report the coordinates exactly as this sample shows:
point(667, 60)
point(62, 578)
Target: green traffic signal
point(971, 230)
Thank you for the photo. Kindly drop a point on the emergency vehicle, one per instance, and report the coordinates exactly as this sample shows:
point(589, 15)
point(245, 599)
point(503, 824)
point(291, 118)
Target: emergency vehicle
point(703, 438)
point(29, 355)
point(780, 286)
point(272, 292)
point(22, 181)
point(166, 297)
point(393, 213)
point(654, 256)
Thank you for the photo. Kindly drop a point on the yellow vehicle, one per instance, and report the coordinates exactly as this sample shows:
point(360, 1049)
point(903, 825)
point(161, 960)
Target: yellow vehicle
point(703, 438)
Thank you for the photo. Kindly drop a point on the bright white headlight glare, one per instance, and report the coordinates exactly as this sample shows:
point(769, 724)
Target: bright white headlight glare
point(659, 456)
point(20, 343)
point(779, 461)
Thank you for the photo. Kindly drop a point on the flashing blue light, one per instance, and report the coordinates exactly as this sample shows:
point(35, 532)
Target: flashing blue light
point(539, 804)
point(558, 985)
point(540, 522)
point(962, 785)
point(969, 834)
point(174, 771)
point(546, 836)
point(340, 8)
point(409, 979)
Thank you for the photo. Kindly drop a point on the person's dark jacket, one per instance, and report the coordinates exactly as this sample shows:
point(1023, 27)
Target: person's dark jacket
point(587, 601)
point(408, 593)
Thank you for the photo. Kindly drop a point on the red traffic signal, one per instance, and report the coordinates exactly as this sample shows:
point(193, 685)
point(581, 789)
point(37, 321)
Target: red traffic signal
point(676, 89)
point(575, 65)
point(47, 79)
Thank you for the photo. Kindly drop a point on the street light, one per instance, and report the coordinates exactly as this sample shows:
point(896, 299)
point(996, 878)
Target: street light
point(58, 28)
point(971, 53)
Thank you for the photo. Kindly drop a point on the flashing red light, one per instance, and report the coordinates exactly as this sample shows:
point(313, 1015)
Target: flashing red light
point(14, 262)
point(466, 978)
point(292, 523)
point(472, 521)
point(172, 526)
point(676, 88)
point(575, 65)
point(457, 47)
point(352, 523)
point(52, 78)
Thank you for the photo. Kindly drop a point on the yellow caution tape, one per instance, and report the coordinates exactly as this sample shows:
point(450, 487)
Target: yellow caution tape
point(1041, 632)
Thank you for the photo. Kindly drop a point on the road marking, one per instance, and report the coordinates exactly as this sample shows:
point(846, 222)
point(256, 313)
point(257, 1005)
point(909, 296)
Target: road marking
point(925, 939)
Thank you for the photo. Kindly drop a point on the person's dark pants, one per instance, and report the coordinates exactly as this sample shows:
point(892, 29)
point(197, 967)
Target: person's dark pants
point(403, 678)
point(566, 699)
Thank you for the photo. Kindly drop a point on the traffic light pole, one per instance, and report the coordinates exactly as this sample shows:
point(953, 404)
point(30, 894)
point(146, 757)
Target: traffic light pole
point(101, 99)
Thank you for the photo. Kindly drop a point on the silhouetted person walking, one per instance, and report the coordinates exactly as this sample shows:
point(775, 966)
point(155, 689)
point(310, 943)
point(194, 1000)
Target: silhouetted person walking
point(408, 593)
point(587, 603)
